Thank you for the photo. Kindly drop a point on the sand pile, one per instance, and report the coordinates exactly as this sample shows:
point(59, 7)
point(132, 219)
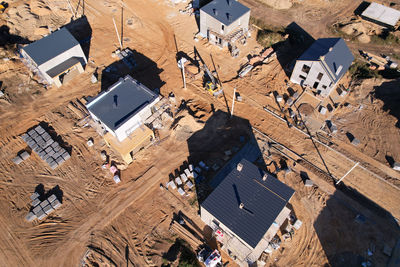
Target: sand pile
point(279, 4)
point(33, 20)
point(363, 31)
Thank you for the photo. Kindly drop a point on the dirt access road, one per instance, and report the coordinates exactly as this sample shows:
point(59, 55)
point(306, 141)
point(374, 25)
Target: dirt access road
point(96, 214)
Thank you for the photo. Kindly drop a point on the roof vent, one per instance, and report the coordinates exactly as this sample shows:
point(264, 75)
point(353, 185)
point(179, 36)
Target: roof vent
point(215, 11)
point(115, 103)
point(239, 167)
point(228, 16)
point(265, 177)
point(330, 49)
point(241, 206)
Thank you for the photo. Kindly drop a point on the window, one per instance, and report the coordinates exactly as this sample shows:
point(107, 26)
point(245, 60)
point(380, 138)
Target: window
point(302, 77)
point(305, 68)
point(315, 85)
point(222, 27)
point(320, 75)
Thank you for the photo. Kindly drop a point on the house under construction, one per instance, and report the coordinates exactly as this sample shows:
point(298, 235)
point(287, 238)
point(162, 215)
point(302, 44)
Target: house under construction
point(121, 112)
point(56, 58)
point(224, 22)
point(246, 210)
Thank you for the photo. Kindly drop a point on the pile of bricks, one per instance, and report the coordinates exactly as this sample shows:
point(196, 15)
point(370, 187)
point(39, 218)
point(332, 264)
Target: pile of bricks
point(42, 208)
point(48, 149)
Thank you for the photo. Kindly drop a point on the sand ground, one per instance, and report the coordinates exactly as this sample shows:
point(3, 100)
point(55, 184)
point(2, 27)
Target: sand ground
point(103, 224)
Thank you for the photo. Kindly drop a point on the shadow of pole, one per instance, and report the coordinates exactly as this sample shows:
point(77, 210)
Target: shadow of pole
point(315, 145)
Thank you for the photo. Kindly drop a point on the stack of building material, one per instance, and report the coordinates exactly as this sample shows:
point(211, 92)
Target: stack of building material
point(48, 149)
point(21, 157)
point(42, 208)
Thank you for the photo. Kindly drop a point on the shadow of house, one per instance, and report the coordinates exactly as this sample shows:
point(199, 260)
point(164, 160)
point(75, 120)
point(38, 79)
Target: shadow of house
point(389, 93)
point(6, 38)
point(143, 70)
point(221, 144)
point(82, 31)
point(298, 42)
point(360, 9)
point(346, 234)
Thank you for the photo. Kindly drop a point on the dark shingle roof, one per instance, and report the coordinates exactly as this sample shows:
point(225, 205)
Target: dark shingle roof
point(130, 97)
point(225, 7)
point(263, 201)
point(340, 55)
point(50, 46)
point(60, 68)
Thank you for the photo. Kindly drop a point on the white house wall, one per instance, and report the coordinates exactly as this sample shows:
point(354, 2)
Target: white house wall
point(75, 51)
point(135, 122)
point(311, 77)
point(208, 219)
point(242, 22)
point(208, 22)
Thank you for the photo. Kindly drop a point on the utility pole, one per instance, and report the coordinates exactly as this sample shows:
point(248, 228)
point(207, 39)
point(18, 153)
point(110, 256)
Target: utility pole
point(183, 74)
point(347, 173)
point(233, 100)
point(116, 30)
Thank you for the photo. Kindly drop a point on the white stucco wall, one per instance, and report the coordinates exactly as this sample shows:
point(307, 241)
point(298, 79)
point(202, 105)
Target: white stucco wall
point(75, 51)
point(135, 122)
point(311, 77)
point(208, 22)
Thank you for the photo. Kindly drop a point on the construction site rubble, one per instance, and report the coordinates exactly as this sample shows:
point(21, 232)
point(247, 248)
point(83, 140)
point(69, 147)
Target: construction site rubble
point(48, 149)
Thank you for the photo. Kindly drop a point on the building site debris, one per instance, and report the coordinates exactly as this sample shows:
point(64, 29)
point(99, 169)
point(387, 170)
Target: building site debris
point(396, 166)
point(90, 142)
point(262, 58)
point(116, 179)
point(45, 147)
point(297, 224)
point(181, 191)
point(308, 183)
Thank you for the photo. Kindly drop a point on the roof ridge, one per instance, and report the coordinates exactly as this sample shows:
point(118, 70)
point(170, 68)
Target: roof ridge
point(269, 189)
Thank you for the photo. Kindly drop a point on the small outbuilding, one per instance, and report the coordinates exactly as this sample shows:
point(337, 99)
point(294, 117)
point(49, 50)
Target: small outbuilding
point(382, 15)
point(224, 22)
point(246, 210)
point(121, 111)
point(56, 58)
point(322, 65)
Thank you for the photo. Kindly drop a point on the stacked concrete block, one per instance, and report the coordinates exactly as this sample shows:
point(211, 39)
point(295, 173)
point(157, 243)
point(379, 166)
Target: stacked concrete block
point(42, 208)
point(47, 149)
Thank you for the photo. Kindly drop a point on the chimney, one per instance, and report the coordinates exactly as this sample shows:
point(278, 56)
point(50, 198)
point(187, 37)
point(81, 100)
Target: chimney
point(241, 206)
point(265, 177)
point(215, 11)
point(239, 167)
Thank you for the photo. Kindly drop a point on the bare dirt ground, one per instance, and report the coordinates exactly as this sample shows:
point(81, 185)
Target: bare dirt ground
point(103, 224)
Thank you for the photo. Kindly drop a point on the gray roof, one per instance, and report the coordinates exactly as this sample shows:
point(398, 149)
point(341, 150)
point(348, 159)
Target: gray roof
point(130, 97)
point(335, 52)
point(223, 8)
point(50, 46)
point(381, 13)
point(62, 67)
point(263, 201)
